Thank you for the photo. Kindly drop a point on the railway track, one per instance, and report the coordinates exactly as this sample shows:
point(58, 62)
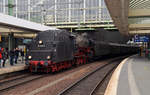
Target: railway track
point(89, 84)
point(23, 79)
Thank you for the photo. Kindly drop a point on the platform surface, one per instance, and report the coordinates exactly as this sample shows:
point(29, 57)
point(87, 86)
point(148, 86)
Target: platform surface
point(132, 77)
point(16, 67)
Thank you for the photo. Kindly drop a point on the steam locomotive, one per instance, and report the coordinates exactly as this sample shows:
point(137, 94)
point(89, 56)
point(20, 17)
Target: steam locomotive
point(54, 50)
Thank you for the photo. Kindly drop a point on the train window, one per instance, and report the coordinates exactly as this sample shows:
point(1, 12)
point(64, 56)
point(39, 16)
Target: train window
point(64, 37)
point(54, 45)
point(60, 38)
point(55, 36)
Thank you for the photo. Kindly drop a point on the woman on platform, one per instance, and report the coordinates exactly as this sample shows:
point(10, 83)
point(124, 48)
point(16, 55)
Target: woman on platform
point(5, 56)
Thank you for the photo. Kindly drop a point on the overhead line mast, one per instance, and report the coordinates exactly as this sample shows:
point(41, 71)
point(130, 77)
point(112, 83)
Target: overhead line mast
point(11, 35)
point(10, 7)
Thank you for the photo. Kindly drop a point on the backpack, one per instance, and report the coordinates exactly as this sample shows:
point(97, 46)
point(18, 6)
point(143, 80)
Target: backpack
point(0, 55)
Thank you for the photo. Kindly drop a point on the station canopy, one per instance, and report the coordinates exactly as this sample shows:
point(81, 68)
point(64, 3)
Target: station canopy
point(20, 27)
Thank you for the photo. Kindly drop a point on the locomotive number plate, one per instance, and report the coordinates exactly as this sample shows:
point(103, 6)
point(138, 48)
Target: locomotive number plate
point(41, 45)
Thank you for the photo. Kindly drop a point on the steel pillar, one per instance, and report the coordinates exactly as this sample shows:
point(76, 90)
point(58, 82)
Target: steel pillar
point(79, 15)
point(10, 7)
point(100, 10)
point(55, 11)
point(11, 35)
point(4, 7)
point(69, 17)
point(11, 41)
point(16, 9)
point(84, 11)
point(29, 10)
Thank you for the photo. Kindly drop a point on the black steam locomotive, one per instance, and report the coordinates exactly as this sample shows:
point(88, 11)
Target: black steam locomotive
point(55, 50)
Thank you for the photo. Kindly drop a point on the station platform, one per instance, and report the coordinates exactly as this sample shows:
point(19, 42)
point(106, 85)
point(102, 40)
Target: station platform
point(16, 67)
point(132, 77)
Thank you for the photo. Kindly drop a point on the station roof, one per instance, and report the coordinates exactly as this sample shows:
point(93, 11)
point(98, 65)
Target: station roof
point(12, 24)
point(130, 16)
point(140, 4)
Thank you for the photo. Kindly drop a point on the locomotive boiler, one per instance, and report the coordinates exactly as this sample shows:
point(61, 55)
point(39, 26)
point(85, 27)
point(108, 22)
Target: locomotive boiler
point(55, 50)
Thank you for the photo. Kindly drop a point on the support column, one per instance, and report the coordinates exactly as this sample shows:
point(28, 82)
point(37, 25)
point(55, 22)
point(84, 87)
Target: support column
point(71, 30)
point(11, 41)
point(100, 10)
point(42, 14)
point(79, 15)
point(55, 11)
point(16, 9)
point(10, 7)
point(84, 11)
point(11, 35)
point(29, 11)
point(69, 11)
point(4, 7)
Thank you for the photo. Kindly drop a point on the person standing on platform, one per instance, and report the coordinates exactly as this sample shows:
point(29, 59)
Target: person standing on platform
point(5, 56)
point(22, 55)
point(0, 59)
point(16, 55)
point(12, 55)
point(0, 56)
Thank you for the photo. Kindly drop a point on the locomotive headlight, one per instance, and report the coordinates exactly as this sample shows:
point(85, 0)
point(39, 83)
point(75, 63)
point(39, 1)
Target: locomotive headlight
point(48, 57)
point(29, 57)
point(40, 42)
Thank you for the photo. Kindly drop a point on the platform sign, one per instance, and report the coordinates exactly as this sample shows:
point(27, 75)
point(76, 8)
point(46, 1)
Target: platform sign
point(141, 38)
point(136, 38)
